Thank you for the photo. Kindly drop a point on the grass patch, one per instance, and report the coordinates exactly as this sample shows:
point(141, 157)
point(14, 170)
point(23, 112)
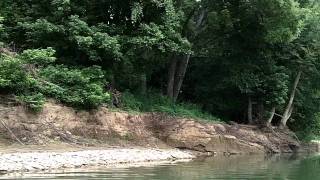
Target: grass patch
point(155, 102)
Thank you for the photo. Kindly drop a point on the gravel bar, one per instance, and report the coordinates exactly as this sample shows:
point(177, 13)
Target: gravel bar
point(52, 160)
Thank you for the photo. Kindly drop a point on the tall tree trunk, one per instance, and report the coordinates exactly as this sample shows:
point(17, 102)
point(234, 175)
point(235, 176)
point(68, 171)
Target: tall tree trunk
point(171, 76)
point(250, 120)
point(181, 71)
point(178, 65)
point(288, 111)
point(272, 113)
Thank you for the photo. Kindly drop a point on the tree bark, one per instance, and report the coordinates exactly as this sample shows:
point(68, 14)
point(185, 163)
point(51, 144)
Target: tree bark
point(272, 113)
point(171, 76)
point(250, 120)
point(288, 111)
point(180, 74)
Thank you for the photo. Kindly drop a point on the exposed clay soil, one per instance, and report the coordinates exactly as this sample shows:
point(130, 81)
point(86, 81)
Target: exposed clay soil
point(106, 128)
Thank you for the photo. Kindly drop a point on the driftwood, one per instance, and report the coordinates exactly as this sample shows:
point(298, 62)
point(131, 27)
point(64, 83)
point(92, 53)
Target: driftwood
point(7, 52)
point(11, 132)
point(4, 124)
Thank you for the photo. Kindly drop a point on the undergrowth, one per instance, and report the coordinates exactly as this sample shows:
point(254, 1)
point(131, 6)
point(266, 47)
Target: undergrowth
point(155, 102)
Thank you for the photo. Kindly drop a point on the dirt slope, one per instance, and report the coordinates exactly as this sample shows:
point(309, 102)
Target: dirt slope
point(58, 123)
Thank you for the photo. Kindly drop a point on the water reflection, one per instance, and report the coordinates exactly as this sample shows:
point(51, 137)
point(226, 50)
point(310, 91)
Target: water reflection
point(282, 167)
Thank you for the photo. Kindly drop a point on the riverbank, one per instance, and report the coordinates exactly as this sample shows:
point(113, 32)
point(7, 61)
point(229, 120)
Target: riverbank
point(33, 161)
point(103, 127)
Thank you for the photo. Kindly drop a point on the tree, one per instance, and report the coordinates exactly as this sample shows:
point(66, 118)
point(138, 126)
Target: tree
point(120, 36)
point(302, 59)
point(242, 37)
point(1, 31)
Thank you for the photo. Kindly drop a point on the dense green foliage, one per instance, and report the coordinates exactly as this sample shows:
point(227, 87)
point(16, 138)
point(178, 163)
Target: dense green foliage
point(30, 76)
point(80, 87)
point(249, 61)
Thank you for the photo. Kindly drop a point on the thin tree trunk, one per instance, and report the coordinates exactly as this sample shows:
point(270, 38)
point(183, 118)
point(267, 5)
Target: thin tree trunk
point(272, 113)
point(180, 75)
point(250, 120)
point(143, 83)
point(171, 76)
point(113, 82)
point(288, 111)
point(260, 112)
point(200, 18)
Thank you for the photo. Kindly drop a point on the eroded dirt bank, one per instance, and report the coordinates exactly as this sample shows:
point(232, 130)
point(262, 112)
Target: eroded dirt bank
point(58, 123)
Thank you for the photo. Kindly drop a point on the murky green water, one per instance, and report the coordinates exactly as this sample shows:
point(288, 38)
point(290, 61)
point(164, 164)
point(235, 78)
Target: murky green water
point(234, 167)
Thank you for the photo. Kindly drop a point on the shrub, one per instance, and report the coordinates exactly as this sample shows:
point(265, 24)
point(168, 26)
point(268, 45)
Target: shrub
point(15, 78)
point(38, 56)
point(34, 102)
point(12, 76)
point(30, 77)
point(80, 87)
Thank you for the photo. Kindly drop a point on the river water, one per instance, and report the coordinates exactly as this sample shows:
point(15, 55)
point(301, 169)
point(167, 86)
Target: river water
point(285, 167)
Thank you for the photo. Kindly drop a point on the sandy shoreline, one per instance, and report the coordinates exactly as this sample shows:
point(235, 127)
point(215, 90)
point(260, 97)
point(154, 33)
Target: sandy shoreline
point(33, 161)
